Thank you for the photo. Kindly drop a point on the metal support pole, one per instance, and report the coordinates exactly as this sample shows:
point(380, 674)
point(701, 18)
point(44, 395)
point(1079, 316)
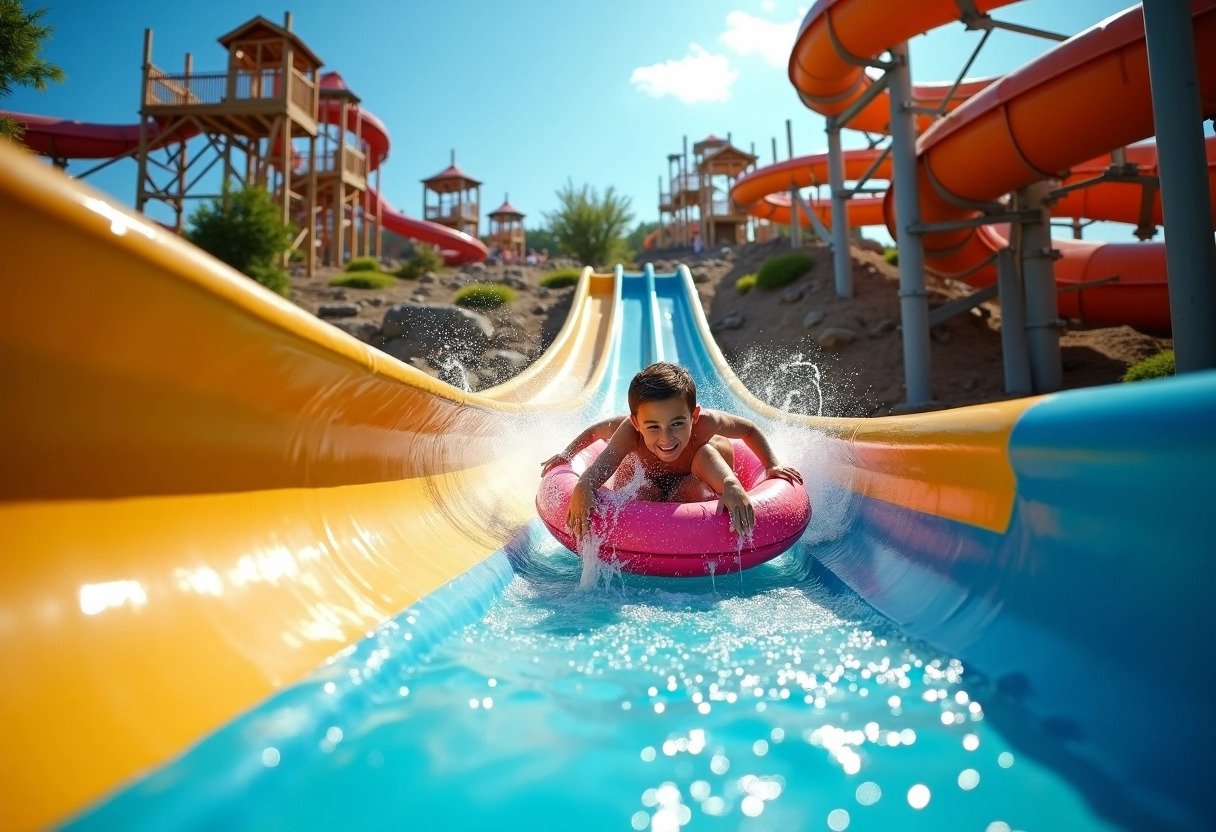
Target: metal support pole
point(842, 260)
point(1039, 284)
point(1014, 351)
point(1190, 253)
point(913, 299)
point(795, 222)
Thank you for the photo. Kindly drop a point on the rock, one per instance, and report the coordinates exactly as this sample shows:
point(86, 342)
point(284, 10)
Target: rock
point(412, 329)
point(834, 337)
point(734, 320)
point(697, 276)
point(429, 277)
point(882, 328)
point(792, 295)
point(375, 300)
point(542, 291)
point(517, 283)
point(814, 286)
point(539, 310)
point(815, 316)
point(365, 331)
point(338, 310)
point(473, 268)
point(338, 294)
point(504, 363)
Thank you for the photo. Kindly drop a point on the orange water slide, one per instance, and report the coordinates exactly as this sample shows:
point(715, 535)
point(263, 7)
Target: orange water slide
point(1083, 99)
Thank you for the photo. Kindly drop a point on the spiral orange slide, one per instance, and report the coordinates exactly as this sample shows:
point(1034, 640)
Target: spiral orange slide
point(65, 139)
point(1057, 117)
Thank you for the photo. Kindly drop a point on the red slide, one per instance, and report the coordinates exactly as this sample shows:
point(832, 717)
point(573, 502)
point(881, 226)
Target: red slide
point(1063, 112)
point(64, 139)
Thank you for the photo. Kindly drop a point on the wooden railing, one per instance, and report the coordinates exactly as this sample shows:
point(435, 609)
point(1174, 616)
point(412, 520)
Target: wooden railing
point(213, 88)
point(451, 212)
point(722, 208)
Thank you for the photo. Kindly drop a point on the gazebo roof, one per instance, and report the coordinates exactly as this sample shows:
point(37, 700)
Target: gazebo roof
point(506, 209)
point(452, 174)
point(261, 26)
point(728, 154)
point(709, 141)
point(333, 85)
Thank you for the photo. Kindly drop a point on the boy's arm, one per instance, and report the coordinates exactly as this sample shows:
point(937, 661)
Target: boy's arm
point(600, 430)
point(582, 500)
point(736, 427)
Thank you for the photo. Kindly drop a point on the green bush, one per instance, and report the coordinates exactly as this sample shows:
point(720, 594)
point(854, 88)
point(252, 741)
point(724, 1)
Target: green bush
point(561, 278)
point(1160, 365)
point(363, 264)
point(245, 229)
point(364, 280)
point(783, 270)
point(424, 258)
point(274, 279)
point(484, 296)
point(891, 255)
point(746, 283)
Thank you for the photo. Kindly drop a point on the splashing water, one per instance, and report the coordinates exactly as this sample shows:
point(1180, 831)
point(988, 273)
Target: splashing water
point(454, 373)
point(600, 567)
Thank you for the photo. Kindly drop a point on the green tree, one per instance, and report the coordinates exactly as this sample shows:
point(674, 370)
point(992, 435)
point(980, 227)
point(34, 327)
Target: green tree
point(246, 230)
point(542, 238)
point(21, 63)
point(588, 227)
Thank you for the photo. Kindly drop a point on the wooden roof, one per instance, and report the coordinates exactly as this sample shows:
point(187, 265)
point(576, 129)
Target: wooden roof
point(333, 85)
point(506, 210)
point(726, 158)
point(450, 178)
point(259, 28)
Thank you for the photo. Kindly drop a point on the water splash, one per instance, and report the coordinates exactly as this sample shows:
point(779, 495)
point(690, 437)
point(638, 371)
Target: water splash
point(600, 567)
point(454, 373)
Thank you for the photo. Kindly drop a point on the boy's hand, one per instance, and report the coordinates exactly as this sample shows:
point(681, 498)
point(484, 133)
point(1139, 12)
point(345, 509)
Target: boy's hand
point(784, 472)
point(578, 515)
point(735, 501)
point(552, 462)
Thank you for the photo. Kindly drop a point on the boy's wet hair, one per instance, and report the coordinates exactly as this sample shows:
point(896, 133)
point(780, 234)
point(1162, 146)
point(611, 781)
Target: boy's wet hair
point(662, 381)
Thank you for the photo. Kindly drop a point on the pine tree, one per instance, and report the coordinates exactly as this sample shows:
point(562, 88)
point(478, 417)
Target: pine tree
point(21, 62)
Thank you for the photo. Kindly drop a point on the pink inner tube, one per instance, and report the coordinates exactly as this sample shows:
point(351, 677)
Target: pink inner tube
point(680, 540)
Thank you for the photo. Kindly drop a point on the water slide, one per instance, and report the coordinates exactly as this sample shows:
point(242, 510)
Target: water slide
point(216, 515)
point(1059, 116)
point(64, 139)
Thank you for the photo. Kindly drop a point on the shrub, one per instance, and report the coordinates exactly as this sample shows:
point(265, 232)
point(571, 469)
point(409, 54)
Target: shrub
point(561, 278)
point(364, 280)
point(1160, 365)
point(484, 296)
point(424, 258)
point(891, 255)
point(363, 264)
point(246, 230)
point(746, 283)
point(272, 278)
point(590, 227)
point(781, 271)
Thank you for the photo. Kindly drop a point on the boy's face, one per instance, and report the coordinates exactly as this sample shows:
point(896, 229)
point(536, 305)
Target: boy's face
point(665, 426)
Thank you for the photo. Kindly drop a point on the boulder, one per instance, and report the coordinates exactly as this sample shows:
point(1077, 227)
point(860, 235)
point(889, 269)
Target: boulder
point(813, 318)
point(835, 337)
point(365, 331)
point(338, 310)
point(416, 330)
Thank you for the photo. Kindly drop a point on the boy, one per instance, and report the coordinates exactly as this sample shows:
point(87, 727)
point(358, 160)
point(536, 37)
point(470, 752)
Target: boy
point(684, 451)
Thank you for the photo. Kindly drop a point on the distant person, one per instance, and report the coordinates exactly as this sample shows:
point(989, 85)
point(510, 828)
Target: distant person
point(696, 243)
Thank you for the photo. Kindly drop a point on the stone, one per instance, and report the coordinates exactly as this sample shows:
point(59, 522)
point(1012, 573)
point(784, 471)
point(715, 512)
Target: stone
point(542, 291)
point(734, 320)
point(375, 300)
point(882, 328)
point(504, 363)
point(365, 331)
point(539, 310)
point(338, 310)
point(814, 317)
point(792, 295)
point(473, 268)
point(338, 294)
point(429, 277)
point(413, 329)
point(835, 337)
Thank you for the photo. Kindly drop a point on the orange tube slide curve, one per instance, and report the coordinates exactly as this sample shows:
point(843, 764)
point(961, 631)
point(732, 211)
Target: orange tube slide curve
point(1013, 133)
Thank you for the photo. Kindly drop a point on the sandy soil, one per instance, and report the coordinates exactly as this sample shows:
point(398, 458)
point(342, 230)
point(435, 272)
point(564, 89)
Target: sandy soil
point(776, 339)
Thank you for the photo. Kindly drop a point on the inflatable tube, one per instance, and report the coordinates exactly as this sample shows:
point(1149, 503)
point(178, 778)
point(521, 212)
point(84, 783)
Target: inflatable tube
point(679, 540)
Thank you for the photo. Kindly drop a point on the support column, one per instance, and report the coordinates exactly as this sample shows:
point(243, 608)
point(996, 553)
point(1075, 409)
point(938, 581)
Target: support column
point(1039, 283)
point(913, 299)
point(795, 221)
point(1190, 253)
point(1014, 351)
point(842, 259)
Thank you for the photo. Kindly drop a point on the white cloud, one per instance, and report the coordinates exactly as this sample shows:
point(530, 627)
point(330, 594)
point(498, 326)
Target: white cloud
point(768, 5)
point(749, 35)
point(698, 76)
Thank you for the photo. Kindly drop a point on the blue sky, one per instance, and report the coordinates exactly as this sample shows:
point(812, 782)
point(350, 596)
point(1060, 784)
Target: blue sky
point(528, 93)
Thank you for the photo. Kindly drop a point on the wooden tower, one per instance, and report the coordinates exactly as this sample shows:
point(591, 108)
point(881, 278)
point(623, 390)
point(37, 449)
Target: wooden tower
point(344, 204)
point(507, 229)
point(259, 120)
point(718, 165)
point(457, 199)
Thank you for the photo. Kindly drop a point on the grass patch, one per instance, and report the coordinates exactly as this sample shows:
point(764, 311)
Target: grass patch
point(746, 283)
point(424, 258)
point(1160, 365)
point(484, 296)
point(891, 255)
point(363, 264)
point(783, 270)
point(363, 280)
point(561, 278)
